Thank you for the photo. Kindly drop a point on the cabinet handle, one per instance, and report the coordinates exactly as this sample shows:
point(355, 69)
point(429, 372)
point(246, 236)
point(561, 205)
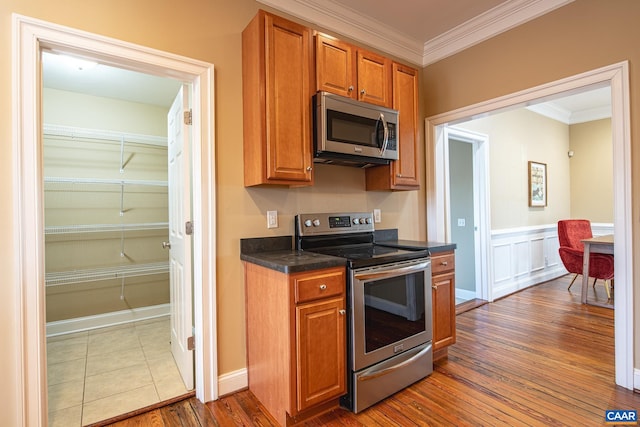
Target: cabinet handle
point(342, 312)
point(323, 287)
point(399, 175)
point(434, 287)
point(445, 263)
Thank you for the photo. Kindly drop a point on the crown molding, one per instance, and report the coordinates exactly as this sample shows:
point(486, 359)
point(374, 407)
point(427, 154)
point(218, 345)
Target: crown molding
point(353, 24)
point(548, 109)
point(495, 21)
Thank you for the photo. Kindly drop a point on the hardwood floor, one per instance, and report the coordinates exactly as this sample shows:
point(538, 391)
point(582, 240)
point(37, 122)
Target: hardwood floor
point(535, 358)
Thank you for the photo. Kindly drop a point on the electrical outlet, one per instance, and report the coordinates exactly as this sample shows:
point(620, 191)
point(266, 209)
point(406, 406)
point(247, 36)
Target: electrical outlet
point(272, 219)
point(377, 216)
point(461, 222)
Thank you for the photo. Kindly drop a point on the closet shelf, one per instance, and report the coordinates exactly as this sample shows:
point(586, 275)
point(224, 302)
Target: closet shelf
point(105, 273)
point(99, 228)
point(105, 135)
point(63, 180)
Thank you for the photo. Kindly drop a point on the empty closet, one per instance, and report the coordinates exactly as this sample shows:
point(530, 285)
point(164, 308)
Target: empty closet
point(105, 217)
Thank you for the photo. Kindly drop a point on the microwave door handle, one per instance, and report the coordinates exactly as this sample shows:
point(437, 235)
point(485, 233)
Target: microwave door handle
point(385, 140)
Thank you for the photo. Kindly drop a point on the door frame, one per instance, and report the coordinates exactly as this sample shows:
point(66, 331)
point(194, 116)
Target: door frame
point(30, 36)
point(617, 77)
point(481, 199)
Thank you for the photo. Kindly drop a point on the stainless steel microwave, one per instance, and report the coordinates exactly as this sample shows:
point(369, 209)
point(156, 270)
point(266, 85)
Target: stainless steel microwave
point(353, 133)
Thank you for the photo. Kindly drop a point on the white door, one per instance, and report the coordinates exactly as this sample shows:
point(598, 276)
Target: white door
point(180, 242)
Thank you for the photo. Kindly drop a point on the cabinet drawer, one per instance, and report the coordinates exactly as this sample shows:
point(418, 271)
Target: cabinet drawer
point(319, 286)
point(442, 263)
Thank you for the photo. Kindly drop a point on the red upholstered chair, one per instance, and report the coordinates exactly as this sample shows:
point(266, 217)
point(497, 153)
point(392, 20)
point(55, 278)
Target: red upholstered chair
point(570, 234)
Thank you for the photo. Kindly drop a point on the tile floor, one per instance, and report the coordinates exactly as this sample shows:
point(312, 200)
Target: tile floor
point(102, 373)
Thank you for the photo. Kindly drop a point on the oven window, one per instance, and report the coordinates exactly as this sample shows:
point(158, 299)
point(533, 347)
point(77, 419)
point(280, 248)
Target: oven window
point(394, 310)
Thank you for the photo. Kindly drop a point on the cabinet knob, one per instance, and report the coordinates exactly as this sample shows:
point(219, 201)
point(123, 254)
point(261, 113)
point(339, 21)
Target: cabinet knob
point(434, 287)
point(166, 245)
point(350, 89)
point(445, 263)
point(363, 92)
point(309, 168)
point(342, 312)
point(323, 287)
point(399, 175)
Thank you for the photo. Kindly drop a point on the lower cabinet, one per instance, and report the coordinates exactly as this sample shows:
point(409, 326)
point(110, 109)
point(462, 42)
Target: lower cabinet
point(443, 284)
point(296, 340)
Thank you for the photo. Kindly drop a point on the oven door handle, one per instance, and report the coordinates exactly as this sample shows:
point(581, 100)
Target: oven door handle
point(378, 373)
point(376, 275)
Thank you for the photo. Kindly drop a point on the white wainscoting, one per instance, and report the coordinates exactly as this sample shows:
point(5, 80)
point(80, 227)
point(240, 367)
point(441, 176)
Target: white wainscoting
point(525, 256)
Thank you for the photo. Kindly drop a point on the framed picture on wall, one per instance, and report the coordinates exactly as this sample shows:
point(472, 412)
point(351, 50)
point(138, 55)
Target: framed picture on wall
point(537, 184)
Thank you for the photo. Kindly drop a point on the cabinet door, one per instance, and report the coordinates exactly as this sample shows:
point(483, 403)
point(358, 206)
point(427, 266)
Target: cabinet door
point(444, 311)
point(320, 352)
point(401, 174)
point(288, 51)
point(277, 80)
point(405, 100)
point(335, 66)
point(374, 78)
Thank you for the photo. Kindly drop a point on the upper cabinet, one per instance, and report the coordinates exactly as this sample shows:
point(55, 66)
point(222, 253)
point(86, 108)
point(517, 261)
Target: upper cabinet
point(347, 70)
point(403, 173)
point(277, 79)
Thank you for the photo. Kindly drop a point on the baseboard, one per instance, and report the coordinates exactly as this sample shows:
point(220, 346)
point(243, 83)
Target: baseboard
point(465, 294)
point(518, 285)
point(636, 379)
point(81, 324)
point(232, 382)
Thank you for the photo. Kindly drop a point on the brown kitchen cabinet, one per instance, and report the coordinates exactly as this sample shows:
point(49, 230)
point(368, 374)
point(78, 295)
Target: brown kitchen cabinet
point(347, 70)
point(443, 284)
point(277, 80)
point(401, 174)
point(296, 340)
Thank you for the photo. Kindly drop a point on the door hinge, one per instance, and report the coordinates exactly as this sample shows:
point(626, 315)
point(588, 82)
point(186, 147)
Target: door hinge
point(191, 343)
point(188, 117)
point(188, 227)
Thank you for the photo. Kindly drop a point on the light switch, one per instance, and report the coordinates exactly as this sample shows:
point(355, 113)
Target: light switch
point(461, 222)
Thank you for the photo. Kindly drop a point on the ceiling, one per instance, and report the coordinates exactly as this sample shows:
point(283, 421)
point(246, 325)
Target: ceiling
point(420, 31)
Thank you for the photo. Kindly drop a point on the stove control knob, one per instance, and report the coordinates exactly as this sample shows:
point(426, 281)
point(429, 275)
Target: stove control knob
point(366, 221)
point(307, 223)
point(316, 223)
point(356, 221)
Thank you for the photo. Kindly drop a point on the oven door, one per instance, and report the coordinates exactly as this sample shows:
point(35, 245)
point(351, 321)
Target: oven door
point(391, 310)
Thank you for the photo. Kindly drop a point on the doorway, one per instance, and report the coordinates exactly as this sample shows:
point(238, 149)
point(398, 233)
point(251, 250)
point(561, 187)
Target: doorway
point(617, 78)
point(30, 38)
point(111, 300)
point(468, 215)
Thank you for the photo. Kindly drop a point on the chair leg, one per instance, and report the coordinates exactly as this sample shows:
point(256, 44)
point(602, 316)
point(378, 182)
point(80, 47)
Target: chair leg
point(594, 283)
point(574, 279)
point(606, 287)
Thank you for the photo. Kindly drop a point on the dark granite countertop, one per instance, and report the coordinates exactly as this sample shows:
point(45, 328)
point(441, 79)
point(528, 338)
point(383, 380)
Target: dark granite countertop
point(433, 247)
point(277, 253)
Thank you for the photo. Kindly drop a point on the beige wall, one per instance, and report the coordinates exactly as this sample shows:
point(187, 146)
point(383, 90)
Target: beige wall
point(581, 36)
point(592, 171)
point(208, 31)
point(515, 138)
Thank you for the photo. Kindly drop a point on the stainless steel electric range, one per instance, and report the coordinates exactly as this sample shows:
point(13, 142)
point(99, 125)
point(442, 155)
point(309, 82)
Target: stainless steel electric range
point(389, 305)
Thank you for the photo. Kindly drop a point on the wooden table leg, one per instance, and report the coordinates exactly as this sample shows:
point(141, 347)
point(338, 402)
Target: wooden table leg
point(585, 272)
